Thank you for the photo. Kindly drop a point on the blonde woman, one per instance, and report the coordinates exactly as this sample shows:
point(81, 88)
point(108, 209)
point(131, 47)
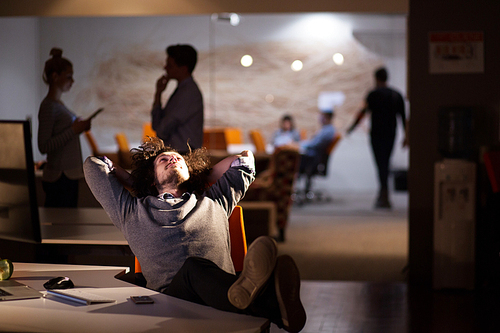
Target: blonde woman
point(58, 135)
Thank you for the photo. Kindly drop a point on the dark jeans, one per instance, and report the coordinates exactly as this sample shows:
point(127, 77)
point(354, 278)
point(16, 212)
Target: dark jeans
point(201, 281)
point(61, 193)
point(382, 150)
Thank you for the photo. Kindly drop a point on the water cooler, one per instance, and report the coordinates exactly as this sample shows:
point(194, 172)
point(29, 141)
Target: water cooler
point(454, 224)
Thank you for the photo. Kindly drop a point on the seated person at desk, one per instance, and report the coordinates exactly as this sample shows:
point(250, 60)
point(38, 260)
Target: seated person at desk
point(287, 134)
point(312, 149)
point(177, 226)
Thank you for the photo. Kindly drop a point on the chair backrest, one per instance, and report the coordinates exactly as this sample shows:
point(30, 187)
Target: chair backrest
point(124, 155)
point(233, 135)
point(238, 240)
point(137, 268)
point(121, 140)
point(334, 142)
point(147, 130)
point(113, 156)
point(303, 134)
point(322, 167)
point(214, 138)
point(92, 143)
point(286, 165)
point(258, 141)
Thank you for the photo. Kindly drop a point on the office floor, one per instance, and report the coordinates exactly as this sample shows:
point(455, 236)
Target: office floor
point(352, 261)
point(348, 239)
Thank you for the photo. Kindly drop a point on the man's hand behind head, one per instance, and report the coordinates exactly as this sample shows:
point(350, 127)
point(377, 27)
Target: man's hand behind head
point(247, 159)
point(246, 153)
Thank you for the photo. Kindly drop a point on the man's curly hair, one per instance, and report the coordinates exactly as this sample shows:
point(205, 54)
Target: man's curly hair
point(143, 174)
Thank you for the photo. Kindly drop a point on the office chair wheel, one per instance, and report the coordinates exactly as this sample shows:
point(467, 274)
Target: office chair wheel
point(310, 195)
point(297, 198)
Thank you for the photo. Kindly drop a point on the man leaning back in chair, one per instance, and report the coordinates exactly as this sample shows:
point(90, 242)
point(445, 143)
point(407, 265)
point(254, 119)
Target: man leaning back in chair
point(177, 226)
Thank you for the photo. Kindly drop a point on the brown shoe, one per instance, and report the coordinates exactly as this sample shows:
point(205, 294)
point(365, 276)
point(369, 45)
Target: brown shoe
point(287, 284)
point(257, 268)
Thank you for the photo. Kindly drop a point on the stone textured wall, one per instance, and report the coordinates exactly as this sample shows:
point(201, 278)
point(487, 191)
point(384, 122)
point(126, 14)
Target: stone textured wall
point(124, 84)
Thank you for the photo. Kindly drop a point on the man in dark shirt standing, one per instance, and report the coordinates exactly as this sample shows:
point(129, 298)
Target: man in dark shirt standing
point(385, 104)
point(180, 122)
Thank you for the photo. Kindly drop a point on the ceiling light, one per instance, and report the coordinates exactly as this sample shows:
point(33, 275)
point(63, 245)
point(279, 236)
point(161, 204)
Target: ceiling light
point(246, 60)
point(269, 98)
point(297, 65)
point(338, 58)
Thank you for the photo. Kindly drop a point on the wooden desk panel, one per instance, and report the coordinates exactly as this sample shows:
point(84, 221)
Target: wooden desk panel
point(90, 226)
point(72, 216)
point(82, 234)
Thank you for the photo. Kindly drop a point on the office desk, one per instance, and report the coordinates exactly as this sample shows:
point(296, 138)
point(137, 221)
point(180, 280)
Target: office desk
point(167, 314)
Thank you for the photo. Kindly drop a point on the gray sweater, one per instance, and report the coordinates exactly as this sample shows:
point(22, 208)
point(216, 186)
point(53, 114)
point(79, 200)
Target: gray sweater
point(164, 233)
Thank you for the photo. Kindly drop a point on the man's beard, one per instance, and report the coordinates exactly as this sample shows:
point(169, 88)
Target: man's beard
point(173, 180)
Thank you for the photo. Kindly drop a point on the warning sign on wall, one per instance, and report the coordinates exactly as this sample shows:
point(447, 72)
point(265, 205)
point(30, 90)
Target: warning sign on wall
point(456, 52)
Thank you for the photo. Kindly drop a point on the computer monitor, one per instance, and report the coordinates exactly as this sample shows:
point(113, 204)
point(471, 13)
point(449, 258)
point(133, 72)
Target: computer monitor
point(19, 220)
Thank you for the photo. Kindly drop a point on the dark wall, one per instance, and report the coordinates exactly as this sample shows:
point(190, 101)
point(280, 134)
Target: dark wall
point(428, 92)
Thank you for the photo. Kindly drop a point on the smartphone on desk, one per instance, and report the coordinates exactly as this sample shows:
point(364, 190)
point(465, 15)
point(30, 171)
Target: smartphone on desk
point(142, 299)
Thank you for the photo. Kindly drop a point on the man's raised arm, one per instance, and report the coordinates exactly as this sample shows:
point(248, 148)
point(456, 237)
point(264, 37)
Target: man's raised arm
point(107, 184)
point(221, 167)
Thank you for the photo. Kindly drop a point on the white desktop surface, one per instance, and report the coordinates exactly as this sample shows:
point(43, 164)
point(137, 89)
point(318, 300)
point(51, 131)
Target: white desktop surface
point(167, 314)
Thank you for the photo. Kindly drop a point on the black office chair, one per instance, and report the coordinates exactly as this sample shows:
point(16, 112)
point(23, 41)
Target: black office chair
point(319, 167)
